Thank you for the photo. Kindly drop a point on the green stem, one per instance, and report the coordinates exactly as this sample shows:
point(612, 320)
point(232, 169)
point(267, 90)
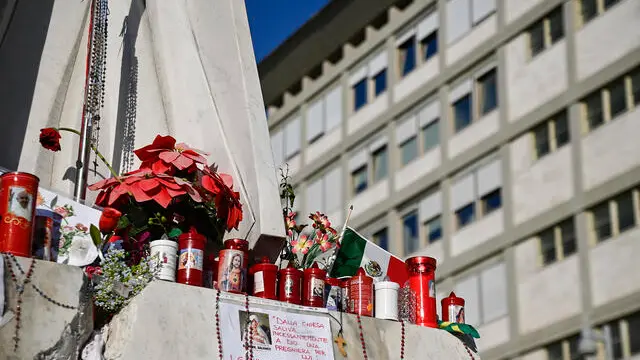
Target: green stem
point(96, 151)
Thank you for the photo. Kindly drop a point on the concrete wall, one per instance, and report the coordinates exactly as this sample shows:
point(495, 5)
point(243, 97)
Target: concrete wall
point(514, 9)
point(477, 233)
point(474, 134)
point(367, 113)
point(416, 79)
point(478, 34)
point(417, 169)
point(319, 147)
point(374, 194)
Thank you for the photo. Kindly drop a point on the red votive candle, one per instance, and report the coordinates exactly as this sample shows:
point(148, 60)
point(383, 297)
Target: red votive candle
point(422, 270)
point(190, 262)
point(265, 275)
point(289, 289)
point(453, 308)
point(232, 266)
point(18, 194)
point(361, 294)
point(313, 286)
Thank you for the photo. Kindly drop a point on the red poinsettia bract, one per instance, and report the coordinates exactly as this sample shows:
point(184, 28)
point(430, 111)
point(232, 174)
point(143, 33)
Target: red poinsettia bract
point(163, 155)
point(227, 201)
point(143, 185)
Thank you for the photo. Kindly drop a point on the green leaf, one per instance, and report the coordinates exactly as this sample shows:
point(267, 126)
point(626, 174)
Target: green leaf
point(95, 235)
point(123, 222)
point(53, 202)
point(174, 233)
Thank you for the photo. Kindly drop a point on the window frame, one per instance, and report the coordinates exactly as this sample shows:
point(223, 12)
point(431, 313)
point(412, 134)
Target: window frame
point(558, 242)
point(545, 25)
point(374, 155)
point(603, 95)
point(413, 211)
point(376, 240)
point(600, 9)
point(354, 94)
point(476, 97)
point(612, 206)
point(420, 49)
point(361, 169)
point(413, 140)
point(426, 225)
point(550, 127)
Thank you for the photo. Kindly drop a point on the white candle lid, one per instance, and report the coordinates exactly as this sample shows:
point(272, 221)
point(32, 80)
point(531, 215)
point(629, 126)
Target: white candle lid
point(386, 285)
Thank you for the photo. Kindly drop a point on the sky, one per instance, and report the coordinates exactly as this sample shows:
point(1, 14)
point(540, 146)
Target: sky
point(272, 21)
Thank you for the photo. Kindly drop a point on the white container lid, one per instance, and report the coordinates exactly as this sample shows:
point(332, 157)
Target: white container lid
point(170, 243)
point(386, 285)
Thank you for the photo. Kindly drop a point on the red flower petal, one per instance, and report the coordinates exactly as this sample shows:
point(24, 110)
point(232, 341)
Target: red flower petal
point(210, 184)
point(162, 197)
point(149, 184)
point(227, 180)
point(139, 194)
point(159, 143)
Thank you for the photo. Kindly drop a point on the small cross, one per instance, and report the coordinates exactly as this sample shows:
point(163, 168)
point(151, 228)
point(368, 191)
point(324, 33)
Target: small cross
point(341, 344)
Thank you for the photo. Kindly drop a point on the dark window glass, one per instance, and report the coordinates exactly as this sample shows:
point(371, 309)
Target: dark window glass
point(568, 235)
point(380, 82)
point(430, 46)
point(626, 216)
point(602, 222)
point(617, 98)
point(593, 105)
point(410, 232)
point(382, 239)
point(465, 215)
point(409, 150)
point(556, 25)
point(488, 92)
point(554, 351)
point(491, 202)
point(359, 179)
point(610, 3)
point(548, 246)
point(380, 164)
point(616, 340)
point(589, 10)
point(407, 56)
point(431, 135)
point(360, 94)
point(562, 129)
point(574, 354)
point(434, 229)
point(541, 138)
point(634, 333)
point(536, 38)
point(635, 86)
point(462, 112)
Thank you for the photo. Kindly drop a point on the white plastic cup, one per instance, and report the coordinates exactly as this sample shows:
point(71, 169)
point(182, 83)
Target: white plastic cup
point(166, 252)
point(386, 300)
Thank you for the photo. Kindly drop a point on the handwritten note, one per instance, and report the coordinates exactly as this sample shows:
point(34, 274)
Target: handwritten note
point(274, 335)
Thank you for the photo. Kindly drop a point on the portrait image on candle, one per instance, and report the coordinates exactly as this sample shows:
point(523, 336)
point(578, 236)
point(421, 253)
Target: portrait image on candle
point(20, 202)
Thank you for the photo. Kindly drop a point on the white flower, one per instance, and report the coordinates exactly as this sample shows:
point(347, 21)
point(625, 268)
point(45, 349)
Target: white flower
point(82, 251)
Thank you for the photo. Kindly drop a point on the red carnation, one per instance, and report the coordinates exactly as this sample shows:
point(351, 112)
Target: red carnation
point(50, 139)
point(109, 220)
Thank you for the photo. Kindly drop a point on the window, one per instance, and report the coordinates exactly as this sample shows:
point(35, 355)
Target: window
point(490, 202)
point(324, 114)
point(360, 94)
point(380, 82)
point(359, 180)
point(409, 150)
point(434, 229)
point(617, 97)
point(625, 337)
point(431, 135)
point(616, 341)
point(635, 86)
point(614, 216)
point(589, 9)
point(410, 232)
point(551, 134)
point(463, 15)
point(593, 108)
point(429, 46)
point(485, 293)
point(557, 242)
point(633, 325)
point(554, 351)
point(380, 161)
point(546, 32)
point(407, 52)
point(488, 92)
point(462, 113)
point(465, 215)
point(381, 238)
point(612, 101)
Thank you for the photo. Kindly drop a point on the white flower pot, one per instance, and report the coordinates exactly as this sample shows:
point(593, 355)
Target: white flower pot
point(166, 252)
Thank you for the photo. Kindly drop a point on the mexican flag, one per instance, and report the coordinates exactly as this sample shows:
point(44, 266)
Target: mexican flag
point(357, 252)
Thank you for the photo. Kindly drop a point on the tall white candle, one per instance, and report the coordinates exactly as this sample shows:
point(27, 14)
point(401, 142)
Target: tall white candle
point(386, 300)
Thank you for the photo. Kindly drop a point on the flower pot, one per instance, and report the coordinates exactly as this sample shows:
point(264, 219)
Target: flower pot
point(166, 251)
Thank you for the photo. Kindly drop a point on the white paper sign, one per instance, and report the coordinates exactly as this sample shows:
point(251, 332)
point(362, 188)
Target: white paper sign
point(276, 335)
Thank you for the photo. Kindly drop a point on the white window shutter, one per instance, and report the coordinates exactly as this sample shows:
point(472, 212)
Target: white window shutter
point(378, 143)
point(314, 196)
point(458, 19)
point(429, 113)
point(378, 63)
point(428, 26)
point(405, 129)
point(333, 113)
point(431, 206)
point(490, 177)
point(357, 160)
point(494, 292)
point(333, 190)
point(460, 90)
point(315, 119)
point(402, 38)
point(468, 289)
point(277, 146)
point(462, 192)
point(292, 137)
point(358, 75)
point(482, 8)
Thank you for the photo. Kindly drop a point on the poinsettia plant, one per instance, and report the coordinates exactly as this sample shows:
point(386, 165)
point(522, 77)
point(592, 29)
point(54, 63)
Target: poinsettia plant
point(174, 190)
point(305, 246)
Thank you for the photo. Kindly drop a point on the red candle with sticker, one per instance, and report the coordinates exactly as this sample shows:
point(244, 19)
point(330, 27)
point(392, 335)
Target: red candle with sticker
point(265, 275)
point(232, 266)
point(453, 309)
point(313, 286)
point(422, 271)
point(289, 279)
point(18, 194)
point(361, 294)
point(191, 258)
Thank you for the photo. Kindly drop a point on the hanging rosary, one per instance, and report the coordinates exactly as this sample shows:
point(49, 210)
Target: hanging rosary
point(20, 288)
point(248, 338)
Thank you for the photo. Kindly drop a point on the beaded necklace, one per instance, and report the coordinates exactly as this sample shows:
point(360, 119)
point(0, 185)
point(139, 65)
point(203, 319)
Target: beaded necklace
point(248, 338)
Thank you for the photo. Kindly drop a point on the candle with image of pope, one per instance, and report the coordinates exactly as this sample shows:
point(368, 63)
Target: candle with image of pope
point(18, 194)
